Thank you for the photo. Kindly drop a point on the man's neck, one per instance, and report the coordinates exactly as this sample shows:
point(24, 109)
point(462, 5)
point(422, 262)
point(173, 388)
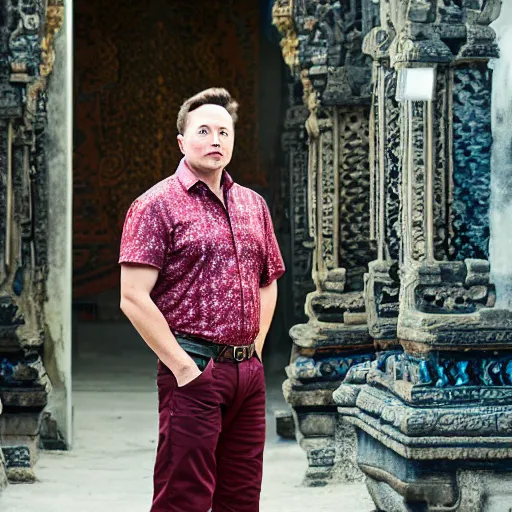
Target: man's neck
point(211, 178)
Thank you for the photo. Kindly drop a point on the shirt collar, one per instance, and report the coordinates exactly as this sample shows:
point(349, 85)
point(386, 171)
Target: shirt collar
point(188, 179)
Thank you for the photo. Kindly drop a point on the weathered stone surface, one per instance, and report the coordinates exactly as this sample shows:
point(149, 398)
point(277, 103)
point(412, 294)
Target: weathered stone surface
point(322, 335)
point(50, 437)
point(476, 491)
point(21, 475)
point(23, 424)
point(294, 198)
point(322, 45)
point(18, 464)
point(317, 424)
point(385, 497)
point(307, 397)
point(345, 463)
point(325, 368)
point(285, 426)
point(35, 398)
point(435, 448)
point(470, 421)
point(321, 455)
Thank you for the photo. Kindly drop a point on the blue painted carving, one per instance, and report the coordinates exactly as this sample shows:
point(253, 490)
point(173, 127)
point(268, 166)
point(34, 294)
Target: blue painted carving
point(425, 377)
point(472, 141)
point(18, 371)
point(6, 371)
point(446, 370)
point(331, 368)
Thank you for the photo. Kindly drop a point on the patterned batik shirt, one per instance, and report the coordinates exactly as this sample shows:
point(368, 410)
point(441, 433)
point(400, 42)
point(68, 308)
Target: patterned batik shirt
point(212, 259)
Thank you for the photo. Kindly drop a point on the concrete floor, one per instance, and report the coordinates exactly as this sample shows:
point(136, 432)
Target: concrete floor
point(110, 466)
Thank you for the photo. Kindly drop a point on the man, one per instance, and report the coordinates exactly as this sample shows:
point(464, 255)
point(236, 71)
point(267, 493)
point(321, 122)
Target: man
point(199, 263)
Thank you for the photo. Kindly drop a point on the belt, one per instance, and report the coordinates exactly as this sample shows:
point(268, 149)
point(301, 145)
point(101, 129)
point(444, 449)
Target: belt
point(202, 349)
point(237, 354)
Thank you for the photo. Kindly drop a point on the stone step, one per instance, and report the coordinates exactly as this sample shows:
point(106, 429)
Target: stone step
point(33, 397)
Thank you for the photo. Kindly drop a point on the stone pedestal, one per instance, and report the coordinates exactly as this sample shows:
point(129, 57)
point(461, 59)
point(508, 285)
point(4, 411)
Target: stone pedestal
point(325, 353)
point(433, 412)
point(330, 446)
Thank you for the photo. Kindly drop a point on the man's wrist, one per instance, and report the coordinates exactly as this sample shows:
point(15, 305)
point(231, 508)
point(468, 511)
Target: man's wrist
point(182, 364)
point(187, 373)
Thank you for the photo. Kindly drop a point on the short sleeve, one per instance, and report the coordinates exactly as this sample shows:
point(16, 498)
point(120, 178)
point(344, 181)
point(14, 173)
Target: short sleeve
point(145, 235)
point(273, 267)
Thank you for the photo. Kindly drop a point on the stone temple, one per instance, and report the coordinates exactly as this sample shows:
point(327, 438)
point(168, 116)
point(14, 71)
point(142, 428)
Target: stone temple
point(379, 132)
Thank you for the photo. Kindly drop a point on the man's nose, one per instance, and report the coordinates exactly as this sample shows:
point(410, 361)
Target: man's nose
point(216, 140)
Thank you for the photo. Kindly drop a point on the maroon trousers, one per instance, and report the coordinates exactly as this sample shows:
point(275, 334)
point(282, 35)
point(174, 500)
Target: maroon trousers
point(212, 434)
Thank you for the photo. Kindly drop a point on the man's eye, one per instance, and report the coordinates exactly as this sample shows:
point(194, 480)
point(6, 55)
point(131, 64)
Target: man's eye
point(224, 133)
point(202, 131)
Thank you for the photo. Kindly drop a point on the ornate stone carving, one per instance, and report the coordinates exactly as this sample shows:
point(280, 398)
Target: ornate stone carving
point(26, 41)
point(427, 410)
point(335, 77)
point(282, 18)
point(382, 281)
point(295, 196)
point(472, 140)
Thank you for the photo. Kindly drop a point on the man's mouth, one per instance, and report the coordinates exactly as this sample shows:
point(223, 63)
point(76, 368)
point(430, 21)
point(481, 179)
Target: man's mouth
point(214, 153)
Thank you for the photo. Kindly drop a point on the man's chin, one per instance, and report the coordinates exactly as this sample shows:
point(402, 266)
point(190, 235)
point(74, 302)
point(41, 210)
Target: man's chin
point(214, 165)
point(208, 165)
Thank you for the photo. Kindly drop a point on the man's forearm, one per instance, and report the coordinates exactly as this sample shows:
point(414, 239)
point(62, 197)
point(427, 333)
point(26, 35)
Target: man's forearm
point(268, 299)
point(154, 329)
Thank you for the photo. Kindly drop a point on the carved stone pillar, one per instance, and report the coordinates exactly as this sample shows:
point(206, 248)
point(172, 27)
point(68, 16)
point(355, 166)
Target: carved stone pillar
point(295, 196)
point(26, 36)
point(433, 421)
point(382, 282)
point(322, 44)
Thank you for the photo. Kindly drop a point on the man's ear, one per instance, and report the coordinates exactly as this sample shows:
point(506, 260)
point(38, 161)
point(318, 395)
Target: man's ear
point(180, 143)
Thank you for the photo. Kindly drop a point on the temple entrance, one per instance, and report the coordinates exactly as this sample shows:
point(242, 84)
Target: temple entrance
point(134, 64)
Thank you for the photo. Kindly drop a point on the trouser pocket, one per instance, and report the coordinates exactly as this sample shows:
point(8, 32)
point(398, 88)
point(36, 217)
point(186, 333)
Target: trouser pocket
point(190, 424)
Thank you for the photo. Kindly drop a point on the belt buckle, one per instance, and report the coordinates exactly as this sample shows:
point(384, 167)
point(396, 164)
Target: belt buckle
point(239, 354)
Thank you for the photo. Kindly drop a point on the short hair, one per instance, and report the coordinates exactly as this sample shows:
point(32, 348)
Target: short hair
point(212, 96)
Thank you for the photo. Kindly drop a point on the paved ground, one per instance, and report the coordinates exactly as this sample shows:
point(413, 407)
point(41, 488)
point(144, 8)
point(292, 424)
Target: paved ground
point(110, 467)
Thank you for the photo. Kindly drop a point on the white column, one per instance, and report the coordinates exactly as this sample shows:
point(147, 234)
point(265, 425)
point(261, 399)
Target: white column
point(60, 237)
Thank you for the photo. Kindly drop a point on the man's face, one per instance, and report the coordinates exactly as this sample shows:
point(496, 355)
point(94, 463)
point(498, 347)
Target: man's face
point(208, 139)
